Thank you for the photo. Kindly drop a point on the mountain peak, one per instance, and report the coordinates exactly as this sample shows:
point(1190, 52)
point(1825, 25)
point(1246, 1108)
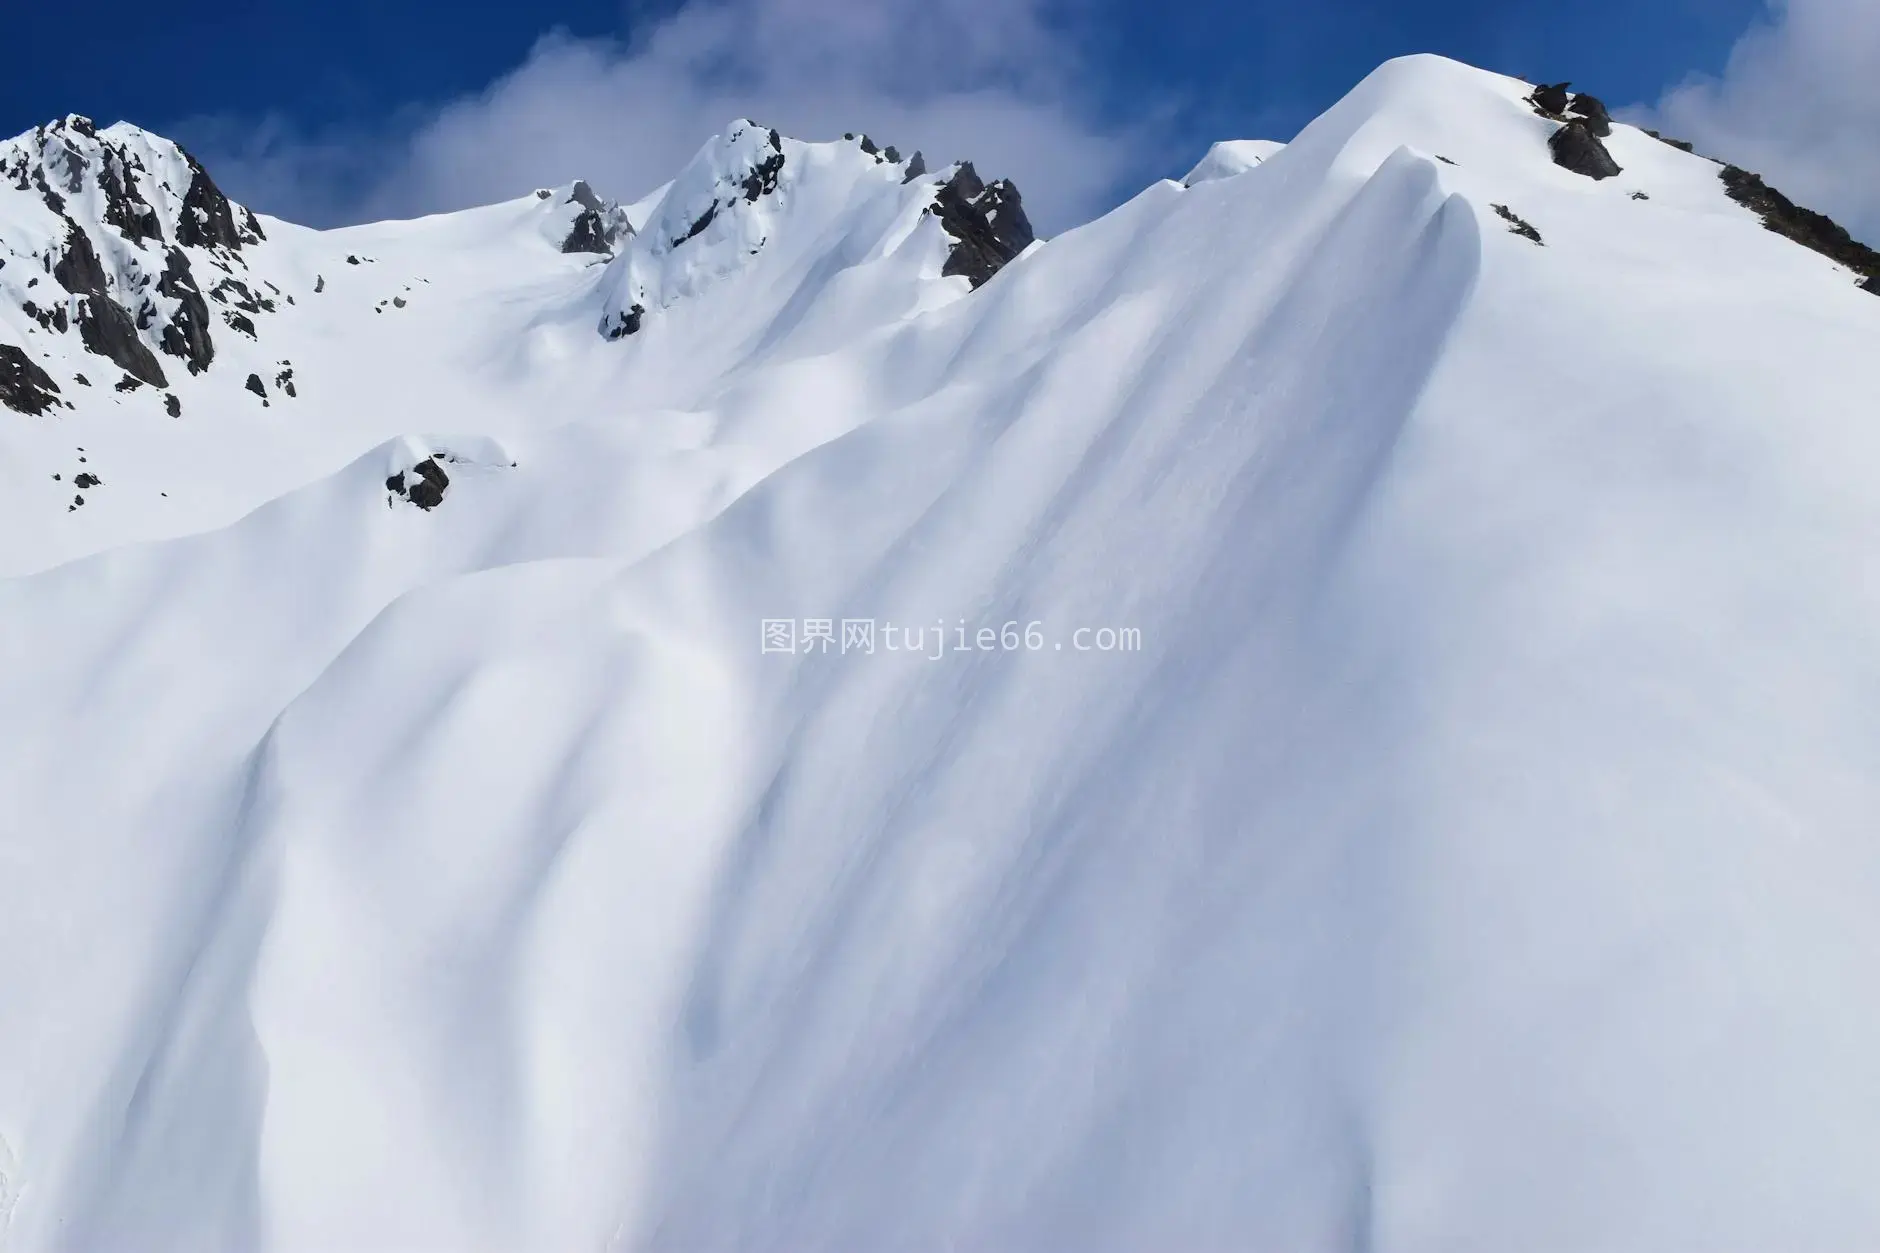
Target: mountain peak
point(121, 219)
point(750, 186)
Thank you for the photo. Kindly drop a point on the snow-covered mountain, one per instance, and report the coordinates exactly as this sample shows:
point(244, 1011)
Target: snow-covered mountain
point(1366, 738)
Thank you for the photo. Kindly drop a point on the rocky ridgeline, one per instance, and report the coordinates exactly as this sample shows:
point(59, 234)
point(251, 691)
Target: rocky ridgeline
point(599, 225)
point(745, 166)
point(1578, 146)
point(987, 220)
point(107, 236)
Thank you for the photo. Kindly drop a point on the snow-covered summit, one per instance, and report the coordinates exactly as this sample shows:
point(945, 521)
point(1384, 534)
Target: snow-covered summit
point(132, 231)
point(827, 206)
point(1230, 157)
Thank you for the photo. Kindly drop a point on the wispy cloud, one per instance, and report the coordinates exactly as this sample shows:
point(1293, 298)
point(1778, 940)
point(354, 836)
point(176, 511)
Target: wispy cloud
point(988, 80)
point(1799, 102)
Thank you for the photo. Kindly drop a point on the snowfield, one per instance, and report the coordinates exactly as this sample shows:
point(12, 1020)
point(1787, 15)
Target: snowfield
point(1479, 854)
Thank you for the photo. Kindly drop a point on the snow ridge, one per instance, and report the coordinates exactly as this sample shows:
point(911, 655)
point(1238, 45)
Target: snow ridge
point(415, 846)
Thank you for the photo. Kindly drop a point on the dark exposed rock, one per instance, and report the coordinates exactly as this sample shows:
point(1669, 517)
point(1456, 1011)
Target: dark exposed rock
point(1806, 227)
point(129, 383)
point(105, 329)
point(624, 324)
point(239, 322)
point(916, 167)
point(1872, 285)
point(233, 291)
point(398, 302)
point(428, 492)
point(584, 196)
point(24, 387)
point(66, 162)
point(1551, 97)
point(762, 180)
point(1680, 144)
point(892, 154)
point(207, 219)
point(423, 485)
point(705, 219)
point(104, 326)
point(589, 234)
point(1639, 195)
point(81, 380)
point(1593, 109)
point(352, 260)
point(1578, 149)
point(50, 319)
point(596, 227)
point(124, 205)
point(187, 335)
point(1516, 224)
point(255, 385)
point(78, 269)
point(171, 405)
point(989, 224)
point(54, 201)
point(85, 480)
point(284, 380)
point(319, 283)
point(868, 146)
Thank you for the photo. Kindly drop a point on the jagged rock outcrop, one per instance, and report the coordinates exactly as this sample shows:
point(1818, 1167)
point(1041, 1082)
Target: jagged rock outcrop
point(209, 219)
point(762, 180)
point(624, 323)
point(1551, 97)
point(24, 387)
point(988, 221)
point(423, 485)
point(1593, 111)
point(187, 333)
point(104, 326)
point(599, 226)
point(1577, 148)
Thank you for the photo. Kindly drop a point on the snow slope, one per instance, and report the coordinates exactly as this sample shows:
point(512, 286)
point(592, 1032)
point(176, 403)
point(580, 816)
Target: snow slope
point(1475, 855)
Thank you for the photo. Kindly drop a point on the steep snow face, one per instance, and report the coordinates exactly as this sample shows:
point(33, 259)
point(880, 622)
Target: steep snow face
point(1472, 851)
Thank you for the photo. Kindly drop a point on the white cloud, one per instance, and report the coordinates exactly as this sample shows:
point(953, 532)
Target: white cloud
point(1799, 102)
point(987, 80)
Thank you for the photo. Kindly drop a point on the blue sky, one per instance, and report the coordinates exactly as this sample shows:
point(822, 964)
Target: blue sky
point(358, 108)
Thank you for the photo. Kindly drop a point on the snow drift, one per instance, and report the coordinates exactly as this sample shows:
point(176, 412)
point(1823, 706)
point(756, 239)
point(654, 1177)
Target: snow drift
point(1476, 853)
